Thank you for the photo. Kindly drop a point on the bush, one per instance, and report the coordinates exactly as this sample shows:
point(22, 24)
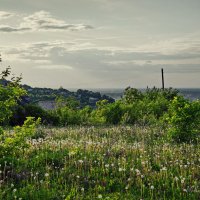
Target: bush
point(184, 120)
point(20, 113)
point(13, 144)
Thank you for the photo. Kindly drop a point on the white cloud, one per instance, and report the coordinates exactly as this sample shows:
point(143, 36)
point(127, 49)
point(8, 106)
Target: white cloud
point(9, 29)
point(43, 21)
point(55, 67)
point(5, 15)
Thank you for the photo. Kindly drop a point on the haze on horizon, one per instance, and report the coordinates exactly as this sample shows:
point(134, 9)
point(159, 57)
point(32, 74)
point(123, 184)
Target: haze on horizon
point(102, 43)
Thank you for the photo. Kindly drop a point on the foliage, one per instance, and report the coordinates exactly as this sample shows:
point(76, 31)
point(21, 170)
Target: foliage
point(184, 120)
point(67, 111)
point(14, 143)
point(131, 95)
point(136, 107)
point(21, 112)
point(117, 162)
point(10, 94)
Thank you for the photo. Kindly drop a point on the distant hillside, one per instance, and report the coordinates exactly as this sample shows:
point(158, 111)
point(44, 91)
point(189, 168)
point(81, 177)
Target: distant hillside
point(45, 97)
point(48, 95)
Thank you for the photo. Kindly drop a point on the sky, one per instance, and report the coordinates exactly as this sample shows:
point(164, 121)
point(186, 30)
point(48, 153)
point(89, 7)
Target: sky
point(101, 43)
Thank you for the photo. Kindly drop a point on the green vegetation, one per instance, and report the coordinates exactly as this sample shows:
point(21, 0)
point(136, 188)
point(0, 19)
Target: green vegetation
point(9, 95)
point(143, 146)
point(184, 120)
point(117, 162)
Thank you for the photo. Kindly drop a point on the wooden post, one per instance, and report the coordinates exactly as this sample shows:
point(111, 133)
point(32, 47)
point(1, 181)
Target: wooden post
point(163, 85)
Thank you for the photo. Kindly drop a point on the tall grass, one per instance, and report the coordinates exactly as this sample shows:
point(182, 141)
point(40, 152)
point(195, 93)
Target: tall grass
point(119, 162)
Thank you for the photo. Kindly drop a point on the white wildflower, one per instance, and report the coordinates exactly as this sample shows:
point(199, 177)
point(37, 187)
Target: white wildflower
point(176, 178)
point(107, 165)
point(120, 169)
point(80, 161)
point(152, 187)
point(99, 196)
point(15, 190)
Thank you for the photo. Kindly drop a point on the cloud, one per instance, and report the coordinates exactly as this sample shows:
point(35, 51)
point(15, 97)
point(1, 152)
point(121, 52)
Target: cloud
point(9, 29)
point(43, 21)
point(99, 60)
point(5, 15)
point(55, 67)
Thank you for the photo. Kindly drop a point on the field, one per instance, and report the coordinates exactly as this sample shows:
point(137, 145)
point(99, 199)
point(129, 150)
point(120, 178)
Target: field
point(115, 162)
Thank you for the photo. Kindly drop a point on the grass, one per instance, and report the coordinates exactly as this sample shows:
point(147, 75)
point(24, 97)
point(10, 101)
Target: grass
point(120, 162)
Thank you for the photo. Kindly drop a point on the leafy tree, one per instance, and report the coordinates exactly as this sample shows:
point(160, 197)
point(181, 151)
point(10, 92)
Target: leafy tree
point(131, 95)
point(10, 94)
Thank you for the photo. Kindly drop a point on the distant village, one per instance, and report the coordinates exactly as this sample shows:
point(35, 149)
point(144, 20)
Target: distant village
point(45, 97)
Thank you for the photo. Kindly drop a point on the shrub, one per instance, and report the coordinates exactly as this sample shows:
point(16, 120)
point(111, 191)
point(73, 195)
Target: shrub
point(184, 120)
point(13, 144)
point(21, 112)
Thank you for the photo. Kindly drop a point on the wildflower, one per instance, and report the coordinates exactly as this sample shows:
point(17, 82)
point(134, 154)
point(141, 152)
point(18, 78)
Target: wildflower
point(182, 180)
point(152, 187)
point(82, 189)
point(164, 169)
point(143, 163)
point(46, 175)
point(137, 172)
point(120, 169)
point(107, 165)
point(80, 161)
point(14, 190)
point(127, 187)
point(99, 196)
point(176, 178)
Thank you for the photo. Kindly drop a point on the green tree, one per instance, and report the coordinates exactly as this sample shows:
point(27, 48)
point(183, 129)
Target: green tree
point(10, 94)
point(132, 95)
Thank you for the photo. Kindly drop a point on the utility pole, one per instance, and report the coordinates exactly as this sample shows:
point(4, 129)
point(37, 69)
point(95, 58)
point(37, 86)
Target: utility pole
point(163, 85)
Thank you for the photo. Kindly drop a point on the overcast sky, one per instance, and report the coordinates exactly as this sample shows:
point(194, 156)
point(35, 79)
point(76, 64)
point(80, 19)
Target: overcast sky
point(101, 43)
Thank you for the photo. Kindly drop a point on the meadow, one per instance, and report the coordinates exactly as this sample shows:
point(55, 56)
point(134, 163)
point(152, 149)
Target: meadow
point(102, 162)
point(142, 146)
